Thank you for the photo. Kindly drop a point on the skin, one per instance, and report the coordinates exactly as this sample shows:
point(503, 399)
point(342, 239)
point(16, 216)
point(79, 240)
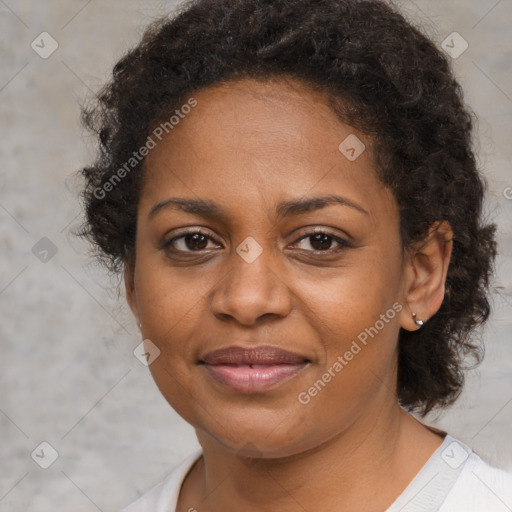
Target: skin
point(247, 146)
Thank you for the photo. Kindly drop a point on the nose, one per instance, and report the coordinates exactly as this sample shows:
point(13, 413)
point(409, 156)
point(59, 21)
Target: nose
point(251, 290)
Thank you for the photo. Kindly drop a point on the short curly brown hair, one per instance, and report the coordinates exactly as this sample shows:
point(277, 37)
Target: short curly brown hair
point(384, 77)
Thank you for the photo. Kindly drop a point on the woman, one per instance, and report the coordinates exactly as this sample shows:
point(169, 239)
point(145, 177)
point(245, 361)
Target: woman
point(290, 191)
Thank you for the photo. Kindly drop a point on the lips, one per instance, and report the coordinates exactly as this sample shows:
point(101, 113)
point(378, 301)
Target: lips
point(264, 355)
point(250, 370)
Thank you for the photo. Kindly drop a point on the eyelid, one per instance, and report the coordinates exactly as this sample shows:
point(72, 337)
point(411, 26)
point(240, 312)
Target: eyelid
point(188, 231)
point(332, 232)
point(341, 240)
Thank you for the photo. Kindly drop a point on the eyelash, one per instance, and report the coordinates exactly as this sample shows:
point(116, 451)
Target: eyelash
point(343, 244)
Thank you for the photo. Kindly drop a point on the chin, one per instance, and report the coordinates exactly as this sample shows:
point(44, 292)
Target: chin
point(258, 437)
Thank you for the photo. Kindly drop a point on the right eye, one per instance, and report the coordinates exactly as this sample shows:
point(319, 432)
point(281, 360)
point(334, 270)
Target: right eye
point(190, 241)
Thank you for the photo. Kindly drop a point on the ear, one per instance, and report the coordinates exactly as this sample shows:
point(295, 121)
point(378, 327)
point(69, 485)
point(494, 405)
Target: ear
point(129, 285)
point(425, 275)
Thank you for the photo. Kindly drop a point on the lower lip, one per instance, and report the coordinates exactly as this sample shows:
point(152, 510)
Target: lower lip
point(245, 379)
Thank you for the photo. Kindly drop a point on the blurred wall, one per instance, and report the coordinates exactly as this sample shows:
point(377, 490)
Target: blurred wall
point(68, 374)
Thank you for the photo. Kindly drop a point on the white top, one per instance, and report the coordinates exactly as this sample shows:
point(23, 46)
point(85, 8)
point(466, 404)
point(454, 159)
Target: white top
point(454, 479)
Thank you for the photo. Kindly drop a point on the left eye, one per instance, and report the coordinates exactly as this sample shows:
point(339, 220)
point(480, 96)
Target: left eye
point(321, 242)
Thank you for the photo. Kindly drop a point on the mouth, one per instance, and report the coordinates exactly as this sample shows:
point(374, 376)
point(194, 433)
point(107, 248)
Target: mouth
point(253, 370)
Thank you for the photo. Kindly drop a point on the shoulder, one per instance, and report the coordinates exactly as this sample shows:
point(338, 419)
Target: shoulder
point(164, 495)
point(480, 486)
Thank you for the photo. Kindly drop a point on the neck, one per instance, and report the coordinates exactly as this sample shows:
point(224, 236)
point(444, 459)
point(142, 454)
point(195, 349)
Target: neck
point(366, 467)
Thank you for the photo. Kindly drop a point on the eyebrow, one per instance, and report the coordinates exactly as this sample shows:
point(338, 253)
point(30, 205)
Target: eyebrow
point(284, 209)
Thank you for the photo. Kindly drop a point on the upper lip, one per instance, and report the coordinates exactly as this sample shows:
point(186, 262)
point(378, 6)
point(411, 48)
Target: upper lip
point(264, 354)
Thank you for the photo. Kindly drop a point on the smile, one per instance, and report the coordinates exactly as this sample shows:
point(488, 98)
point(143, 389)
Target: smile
point(253, 370)
point(254, 378)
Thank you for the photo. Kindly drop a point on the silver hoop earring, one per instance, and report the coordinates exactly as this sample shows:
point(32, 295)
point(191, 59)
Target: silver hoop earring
point(417, 322)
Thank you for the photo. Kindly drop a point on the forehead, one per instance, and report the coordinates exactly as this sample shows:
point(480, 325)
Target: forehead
point(272, 110)
point(251, 138)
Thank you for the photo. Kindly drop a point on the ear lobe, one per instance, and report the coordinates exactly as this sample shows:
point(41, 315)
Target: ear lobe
point(427, 268)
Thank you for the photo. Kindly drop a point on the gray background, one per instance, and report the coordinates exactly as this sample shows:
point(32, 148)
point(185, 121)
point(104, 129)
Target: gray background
point(68, 373)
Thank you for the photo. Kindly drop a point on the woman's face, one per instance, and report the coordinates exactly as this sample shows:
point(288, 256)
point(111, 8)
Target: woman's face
point(268, 262)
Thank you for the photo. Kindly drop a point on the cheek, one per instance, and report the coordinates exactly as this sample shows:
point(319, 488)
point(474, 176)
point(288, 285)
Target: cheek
point(172, 312)
point(343, 304)
point(355, 315)
point(170, 300)
point(359, 332)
